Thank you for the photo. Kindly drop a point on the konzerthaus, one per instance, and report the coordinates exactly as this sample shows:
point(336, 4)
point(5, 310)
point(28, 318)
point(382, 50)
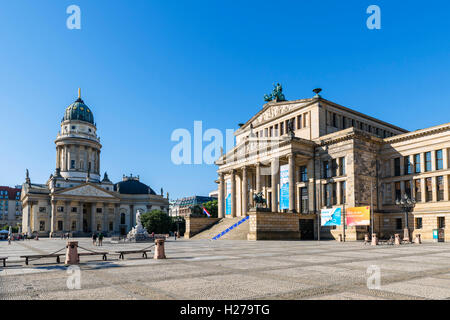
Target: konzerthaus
point(75, 198)
point(335, 157)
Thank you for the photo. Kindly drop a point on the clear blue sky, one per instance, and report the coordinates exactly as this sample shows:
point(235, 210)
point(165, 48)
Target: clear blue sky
point(149, 67)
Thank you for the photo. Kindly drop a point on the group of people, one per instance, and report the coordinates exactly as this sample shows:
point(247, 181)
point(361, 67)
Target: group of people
point(98, 237)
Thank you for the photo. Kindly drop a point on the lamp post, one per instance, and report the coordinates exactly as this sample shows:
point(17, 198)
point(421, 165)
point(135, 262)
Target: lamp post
point(407, 204)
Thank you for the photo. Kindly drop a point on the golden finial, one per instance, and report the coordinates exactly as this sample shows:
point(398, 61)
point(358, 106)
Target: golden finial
point(79, 93)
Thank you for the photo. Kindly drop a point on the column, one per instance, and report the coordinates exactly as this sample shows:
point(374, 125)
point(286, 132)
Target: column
point(392, 161)
point(338, 193)
point(423, 189)
point(132, 222)
point(105, 218)
point(221, 196)
point(233, 193)
point(446, 191)
point(445, 156)
point(422, 162)
point(53, 218)
point(93, 219)
point(258, 177)
point(57, 158)
point(402, 166)
point(434, 186)
point(292, 186)
point(274, 169)
point(80, 218)
point(117, 218)
point(433, 160)
point(402, 187)
point(244, 191)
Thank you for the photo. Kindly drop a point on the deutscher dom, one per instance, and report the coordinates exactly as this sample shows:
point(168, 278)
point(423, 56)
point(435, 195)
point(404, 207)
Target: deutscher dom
point(75, 198)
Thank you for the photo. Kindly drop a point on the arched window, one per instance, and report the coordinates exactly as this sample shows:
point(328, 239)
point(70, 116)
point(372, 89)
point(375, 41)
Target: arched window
point(122, 218)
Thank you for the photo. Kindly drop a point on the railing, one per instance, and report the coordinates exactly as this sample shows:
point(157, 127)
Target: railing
point(231, 228)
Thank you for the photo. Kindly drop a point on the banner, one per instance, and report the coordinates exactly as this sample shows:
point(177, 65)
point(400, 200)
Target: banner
point(228, 197)
point(331, 217)
point(284, 187)
point(358, 216)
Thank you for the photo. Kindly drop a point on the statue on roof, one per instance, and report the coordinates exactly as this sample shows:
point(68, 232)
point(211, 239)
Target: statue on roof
point(276, 95)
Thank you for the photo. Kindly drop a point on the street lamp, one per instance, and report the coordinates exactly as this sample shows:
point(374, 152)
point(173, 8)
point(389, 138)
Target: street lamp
point(407, 204)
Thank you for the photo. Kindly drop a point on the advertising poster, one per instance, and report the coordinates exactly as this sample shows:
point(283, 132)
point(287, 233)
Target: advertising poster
point(331, 217)
point(228, 197)
point(359, 216)
point(284, 187)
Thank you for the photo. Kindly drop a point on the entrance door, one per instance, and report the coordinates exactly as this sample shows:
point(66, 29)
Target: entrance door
point(306, 229)
point(85, 225)
point(123, 231)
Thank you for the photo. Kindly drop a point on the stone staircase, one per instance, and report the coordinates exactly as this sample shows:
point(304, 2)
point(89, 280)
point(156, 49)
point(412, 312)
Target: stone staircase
point(238, 233)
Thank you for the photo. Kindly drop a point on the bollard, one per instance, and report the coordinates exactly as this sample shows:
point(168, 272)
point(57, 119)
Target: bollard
point(397, 239)
point(366, 238)
point(340, 238)
point(374, 239)
point(72, 253)
point(418, 239)
point(159, 249)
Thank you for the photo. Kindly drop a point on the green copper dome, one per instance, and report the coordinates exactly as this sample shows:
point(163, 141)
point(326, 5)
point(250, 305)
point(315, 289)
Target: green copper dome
point(79, 111)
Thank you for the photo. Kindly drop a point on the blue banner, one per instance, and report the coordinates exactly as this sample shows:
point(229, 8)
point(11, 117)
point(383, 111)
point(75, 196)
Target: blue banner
point(331, 217)
point(284, 187)
point(228, 197)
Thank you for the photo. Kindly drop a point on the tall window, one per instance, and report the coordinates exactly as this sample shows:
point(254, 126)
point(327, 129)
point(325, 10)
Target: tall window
point(342, 169)
point(299, 121)
point(418, 190)
point(408, 168)
point(334, 194)
point(440, 188)
point(397, 167)
point(326, 169)
point(328, 194)
point(122, 218)
point(427, 161)
point(74, 225)
point(72, 164)
point(418, 223)
point(281, 128)
point(303, 174)
point(417, 163)
point(439, 160)
point(344, 122)
point(334, 117)
point(398, 191)
point(429, 189)
point(343, 192)
point(334, 168)
point(441, 222)
point(304, 200)
point(398, 223)
point(408, 189)
point(60, 225)
point(41, 226)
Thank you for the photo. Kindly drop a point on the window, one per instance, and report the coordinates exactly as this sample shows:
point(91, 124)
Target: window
point(111, 226)
point(303, 174)
point(41, 226)
point(408, 189)
point(99, 210)
point(342, 168)
point(60, 225)
point(271, 132)
point(74, 209)
point(42, 209)
point(266, 132)
point(440, 188)
point(428, 189)
point(344, 122)
point(439, 160)
point(304, 203)
point(74, 225)
point(408, 168)
point(334, 120)
point(334, 195)
point(398, 223)
point(276, 130)
point(441, 222)
point(418, 223)
point(397, 167)
point(72, 164)
point(60, 209)
point(328, 194)
point(281, 128)
point(418, 189)
point(428, 161)
point(417, 163)
point(344, 192)
point(326, 169)
point(122, 218)
point(299, 122)
point(334, 168)
point(398, 191)
point(99, 227)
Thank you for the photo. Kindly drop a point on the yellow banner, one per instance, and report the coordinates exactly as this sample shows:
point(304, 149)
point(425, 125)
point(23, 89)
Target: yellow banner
point(359, 216)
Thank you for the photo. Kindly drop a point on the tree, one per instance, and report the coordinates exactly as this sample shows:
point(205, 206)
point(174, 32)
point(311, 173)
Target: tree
point(157, 221)
point(211, 206)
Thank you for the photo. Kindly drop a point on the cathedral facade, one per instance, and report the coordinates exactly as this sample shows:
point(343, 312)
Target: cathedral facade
point(76, 198)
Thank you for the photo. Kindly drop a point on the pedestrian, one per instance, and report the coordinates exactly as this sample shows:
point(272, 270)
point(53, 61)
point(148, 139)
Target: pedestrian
point(100, 239)
point(9, 240)
point(175, 235)
point(153, 235)
point(94, 239)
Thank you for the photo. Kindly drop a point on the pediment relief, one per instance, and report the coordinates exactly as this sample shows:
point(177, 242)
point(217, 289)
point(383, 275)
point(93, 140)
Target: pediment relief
point(275, 111)
point(87, 191)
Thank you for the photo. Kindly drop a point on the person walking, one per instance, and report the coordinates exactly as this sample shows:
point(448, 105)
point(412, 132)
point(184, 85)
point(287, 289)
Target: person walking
point(9, 240)
point(175, 235)
point(100, 239)
point(94, 239)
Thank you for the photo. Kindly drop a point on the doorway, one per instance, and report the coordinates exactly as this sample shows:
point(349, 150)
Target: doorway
point(306, 229)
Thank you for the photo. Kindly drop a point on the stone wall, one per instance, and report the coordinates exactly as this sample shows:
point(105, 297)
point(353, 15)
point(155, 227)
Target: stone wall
point(197, 225)
point(273, 226)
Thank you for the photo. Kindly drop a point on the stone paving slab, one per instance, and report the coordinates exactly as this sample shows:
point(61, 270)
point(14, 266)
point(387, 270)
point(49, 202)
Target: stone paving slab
point(204, 269)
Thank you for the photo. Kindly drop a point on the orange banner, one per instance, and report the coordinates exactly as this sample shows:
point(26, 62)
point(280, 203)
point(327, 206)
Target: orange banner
point(358, 216)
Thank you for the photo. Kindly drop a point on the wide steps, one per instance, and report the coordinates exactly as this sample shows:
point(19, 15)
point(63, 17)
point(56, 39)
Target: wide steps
point(218, 228)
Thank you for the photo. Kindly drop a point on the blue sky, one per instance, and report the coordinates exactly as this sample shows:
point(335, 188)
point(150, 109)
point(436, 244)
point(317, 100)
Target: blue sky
point(147, 68)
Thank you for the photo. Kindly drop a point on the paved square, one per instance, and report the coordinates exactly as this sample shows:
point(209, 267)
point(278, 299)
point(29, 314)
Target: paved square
point(231, 270)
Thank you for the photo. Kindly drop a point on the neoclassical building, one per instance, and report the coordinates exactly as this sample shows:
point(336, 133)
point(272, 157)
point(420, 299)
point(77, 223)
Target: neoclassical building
point(336, 157)
point(76, 198)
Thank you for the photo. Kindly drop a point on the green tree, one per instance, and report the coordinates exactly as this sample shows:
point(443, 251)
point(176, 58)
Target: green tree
point(157, 221)
point(212, 207)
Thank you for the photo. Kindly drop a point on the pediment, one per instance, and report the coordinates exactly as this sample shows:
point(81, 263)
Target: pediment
point(274, 111)
point(87, 190)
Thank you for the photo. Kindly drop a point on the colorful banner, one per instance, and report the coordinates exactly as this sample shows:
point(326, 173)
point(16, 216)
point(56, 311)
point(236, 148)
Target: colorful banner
point(331, 217)
point(228, 197)
point(358, 216)
point(284, 187)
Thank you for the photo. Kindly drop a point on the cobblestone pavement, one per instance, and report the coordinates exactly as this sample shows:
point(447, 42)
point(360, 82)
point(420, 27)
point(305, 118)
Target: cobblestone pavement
point(209, 270)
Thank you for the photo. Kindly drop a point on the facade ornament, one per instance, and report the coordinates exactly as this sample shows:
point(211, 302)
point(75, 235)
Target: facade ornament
point(276, 95)
point(27, 177)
